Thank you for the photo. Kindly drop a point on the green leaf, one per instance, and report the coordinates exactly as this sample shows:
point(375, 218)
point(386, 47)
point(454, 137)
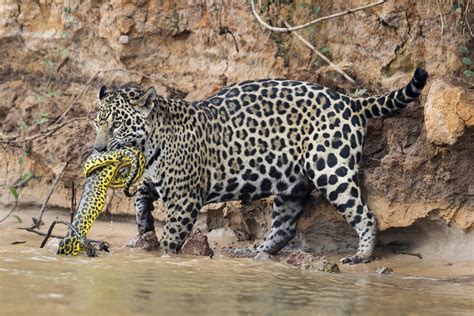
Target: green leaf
point(26, 176)
point(311, 28)
point(23, 125)
point(14, 192)
point(325, 50)
point(38, 98)
point(41, 121)
point(21, 159)
point(50, 63)
point(360, 92)
point(315, 9)
point(303, 5)
point(68, 10)
point(318, 63)
point(63, 51)
point(52, 93)
point(463, 50)
point(467, 61)
point(469, 73)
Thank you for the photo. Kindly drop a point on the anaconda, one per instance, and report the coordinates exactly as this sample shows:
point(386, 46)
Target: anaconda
point(118, 168)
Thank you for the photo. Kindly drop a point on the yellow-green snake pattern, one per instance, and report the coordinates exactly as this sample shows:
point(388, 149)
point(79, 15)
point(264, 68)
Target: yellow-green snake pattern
point(118, 168)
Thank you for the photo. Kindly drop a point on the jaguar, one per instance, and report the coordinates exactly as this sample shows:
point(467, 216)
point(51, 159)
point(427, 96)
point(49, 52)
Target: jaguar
point(250, 140)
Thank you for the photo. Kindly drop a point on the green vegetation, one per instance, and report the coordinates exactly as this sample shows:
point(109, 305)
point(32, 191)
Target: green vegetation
point(359, 92)
point(467, 61)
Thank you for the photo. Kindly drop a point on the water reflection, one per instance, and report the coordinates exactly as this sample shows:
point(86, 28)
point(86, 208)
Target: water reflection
point(130, 283)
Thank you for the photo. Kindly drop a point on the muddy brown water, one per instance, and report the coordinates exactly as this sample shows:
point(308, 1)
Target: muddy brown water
point(35, 281)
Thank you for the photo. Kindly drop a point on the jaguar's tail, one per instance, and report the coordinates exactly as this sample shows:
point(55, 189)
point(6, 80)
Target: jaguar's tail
point(396, 100)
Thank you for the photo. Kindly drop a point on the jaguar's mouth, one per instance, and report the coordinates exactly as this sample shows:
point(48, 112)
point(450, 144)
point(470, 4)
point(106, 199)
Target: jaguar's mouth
point(114, 144)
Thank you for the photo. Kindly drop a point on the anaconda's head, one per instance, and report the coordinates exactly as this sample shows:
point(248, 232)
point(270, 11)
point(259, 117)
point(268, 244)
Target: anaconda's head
point(122, 117)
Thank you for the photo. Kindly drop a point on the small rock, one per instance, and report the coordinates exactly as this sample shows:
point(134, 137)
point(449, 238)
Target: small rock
point(323, 265)
point(125, 24)
point(309, 261)
point(263, 256)
point(222, 236)
point(299, 258)
point(147, 241)
point(384, 270)
point(197, 245)
point(123, 39)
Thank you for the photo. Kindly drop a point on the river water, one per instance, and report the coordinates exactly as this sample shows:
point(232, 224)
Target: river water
point(35, 281)
point(127, 282)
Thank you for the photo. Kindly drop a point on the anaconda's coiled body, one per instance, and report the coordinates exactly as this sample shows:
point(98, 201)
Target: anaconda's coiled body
point(118, 168)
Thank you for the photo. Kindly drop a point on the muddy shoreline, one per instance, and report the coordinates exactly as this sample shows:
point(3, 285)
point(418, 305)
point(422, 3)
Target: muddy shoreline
point(441, 259)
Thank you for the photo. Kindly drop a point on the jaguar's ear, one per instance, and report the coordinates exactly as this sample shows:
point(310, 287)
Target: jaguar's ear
point(103, 92)
point(146, 102)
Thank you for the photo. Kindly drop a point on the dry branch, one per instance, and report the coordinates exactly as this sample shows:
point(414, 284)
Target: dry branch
point(73, 201)
point(321, 55)
point(76, 98)
point(37, 222)
point(47, 132)
point(324, 18)
point(11, 211)
point(292, 29)
point(59, 123)
point(40, 233)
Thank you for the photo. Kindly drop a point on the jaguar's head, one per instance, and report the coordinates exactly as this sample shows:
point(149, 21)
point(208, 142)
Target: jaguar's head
point(122, 117)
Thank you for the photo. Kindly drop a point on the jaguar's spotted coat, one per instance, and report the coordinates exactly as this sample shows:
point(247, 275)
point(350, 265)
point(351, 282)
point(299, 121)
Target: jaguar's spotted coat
point(250, 140)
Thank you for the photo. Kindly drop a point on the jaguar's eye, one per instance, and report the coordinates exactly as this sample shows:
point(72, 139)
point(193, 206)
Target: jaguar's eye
point(116, 124)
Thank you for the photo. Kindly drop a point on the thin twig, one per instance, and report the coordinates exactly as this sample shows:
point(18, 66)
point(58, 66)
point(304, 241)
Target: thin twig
point(324, 18)
point(415, 254)
point(73, 200)
point(87, 84)
point(47, 132)
point(441, 17)
point(48, 234)
point(136, 72)
point(37, 232)
point(76, 98)
point(321, 55)
point(466, 20)
point(40, 233)
point(11, 211)
point(59, 124)
point(52, 100)
point(38, 221)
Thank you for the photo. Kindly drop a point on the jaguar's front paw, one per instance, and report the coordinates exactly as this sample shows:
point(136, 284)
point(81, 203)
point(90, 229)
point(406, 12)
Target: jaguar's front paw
point(355, 259)
point(147, 241)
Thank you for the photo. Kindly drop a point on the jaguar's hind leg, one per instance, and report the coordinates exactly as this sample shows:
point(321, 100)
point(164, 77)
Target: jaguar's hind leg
point(341, 188)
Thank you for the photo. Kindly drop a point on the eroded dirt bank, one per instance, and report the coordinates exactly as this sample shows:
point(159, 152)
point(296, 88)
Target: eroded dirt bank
point(417, 169)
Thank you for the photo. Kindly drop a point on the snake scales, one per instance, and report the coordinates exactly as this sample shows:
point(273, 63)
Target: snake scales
point(118, 168)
